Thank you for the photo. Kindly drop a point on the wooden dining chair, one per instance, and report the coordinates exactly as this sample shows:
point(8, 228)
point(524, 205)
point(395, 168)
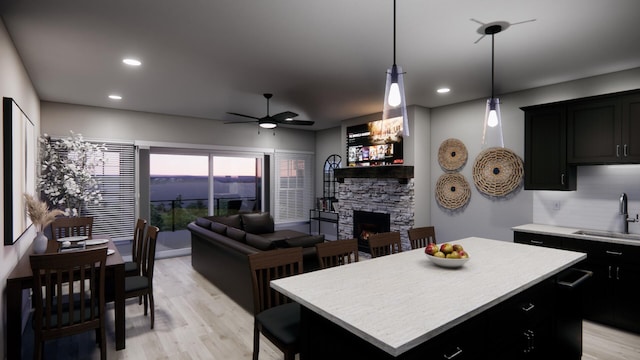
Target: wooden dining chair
point(335, 253)
point(385, 243)
point(68, 296)
point(132, 268)
point(142, 285)
point(275, 315)
point(421, 236)
point(71, 226)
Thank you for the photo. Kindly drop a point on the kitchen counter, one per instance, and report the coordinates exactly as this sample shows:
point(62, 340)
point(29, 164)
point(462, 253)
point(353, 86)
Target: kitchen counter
point(571, 233)
point(400, 301)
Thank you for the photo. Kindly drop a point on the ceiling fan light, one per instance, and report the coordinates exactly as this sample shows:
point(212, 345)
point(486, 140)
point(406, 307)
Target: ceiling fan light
point(268, 125)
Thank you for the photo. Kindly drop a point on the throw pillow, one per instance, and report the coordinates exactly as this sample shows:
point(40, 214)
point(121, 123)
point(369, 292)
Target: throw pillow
point(219, 228)
point(236, 234)
point(202, 222)
point(257, 223)
point(259, 242)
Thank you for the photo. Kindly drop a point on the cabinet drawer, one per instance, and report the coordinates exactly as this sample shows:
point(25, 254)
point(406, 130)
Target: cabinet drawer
point(603, 251)
point(537, 239)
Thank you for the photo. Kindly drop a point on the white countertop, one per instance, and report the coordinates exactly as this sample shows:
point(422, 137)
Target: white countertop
point(399, 301)
point(570, 233)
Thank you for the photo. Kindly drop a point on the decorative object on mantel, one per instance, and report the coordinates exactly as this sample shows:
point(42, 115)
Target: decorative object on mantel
point(452, 154)
point(67, 172)
point(40, 216)
point(452, 191)
point(497, 171)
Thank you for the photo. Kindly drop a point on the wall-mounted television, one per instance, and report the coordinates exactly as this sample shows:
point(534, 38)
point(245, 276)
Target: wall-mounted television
point(375, 143)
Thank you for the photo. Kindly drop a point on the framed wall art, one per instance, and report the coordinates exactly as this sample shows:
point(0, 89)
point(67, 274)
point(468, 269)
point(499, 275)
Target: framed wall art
point(19, 166)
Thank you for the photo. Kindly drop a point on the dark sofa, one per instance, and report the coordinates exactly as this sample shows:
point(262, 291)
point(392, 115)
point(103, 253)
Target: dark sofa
point(220, 247)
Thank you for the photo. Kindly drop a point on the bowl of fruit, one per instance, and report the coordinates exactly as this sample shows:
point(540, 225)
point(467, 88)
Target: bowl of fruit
point(447, 255)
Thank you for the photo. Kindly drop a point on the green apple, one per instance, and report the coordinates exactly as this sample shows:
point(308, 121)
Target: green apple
point(453, 255)
point(457, 247)
point(446, 248)
point(463, 254)
point(439, 254)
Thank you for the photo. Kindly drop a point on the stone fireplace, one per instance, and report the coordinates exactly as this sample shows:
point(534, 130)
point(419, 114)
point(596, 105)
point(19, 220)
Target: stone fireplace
point(384, 190)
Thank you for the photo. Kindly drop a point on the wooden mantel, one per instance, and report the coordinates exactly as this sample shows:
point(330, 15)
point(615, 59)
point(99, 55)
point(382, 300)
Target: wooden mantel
point(401, 172)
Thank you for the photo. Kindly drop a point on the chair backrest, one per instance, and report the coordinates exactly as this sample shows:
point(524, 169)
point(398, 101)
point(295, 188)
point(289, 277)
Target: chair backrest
point(138, 241)
point(335, 253)
point(271, 265)
point(149, 252)
point(72, 226)
point(81, 274)
point(422, 236)
point(385, 243)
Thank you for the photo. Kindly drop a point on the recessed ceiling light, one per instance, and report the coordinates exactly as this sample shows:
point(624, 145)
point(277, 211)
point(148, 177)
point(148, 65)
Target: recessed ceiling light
point(115, 97)
point(132, 62)
point(443, 90)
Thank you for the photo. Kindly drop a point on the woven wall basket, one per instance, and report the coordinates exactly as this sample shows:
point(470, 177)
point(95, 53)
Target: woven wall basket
point(497, 171)
point(452, 191)
point(452, 154)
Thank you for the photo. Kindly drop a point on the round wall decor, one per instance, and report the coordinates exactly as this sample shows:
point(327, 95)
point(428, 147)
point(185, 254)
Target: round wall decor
point(452, 154)
point(497, 171)
point(452, 191)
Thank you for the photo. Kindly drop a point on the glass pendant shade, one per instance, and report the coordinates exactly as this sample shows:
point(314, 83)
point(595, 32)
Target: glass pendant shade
point(492, 132)
point(394, 100)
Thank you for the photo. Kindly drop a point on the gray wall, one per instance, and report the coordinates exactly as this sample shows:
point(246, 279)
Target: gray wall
point(14, 83)
point(493, 218)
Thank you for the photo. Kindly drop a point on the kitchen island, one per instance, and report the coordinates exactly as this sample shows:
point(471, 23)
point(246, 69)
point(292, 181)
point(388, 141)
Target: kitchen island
point(404, 306)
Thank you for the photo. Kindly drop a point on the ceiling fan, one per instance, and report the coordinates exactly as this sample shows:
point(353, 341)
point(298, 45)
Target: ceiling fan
point(270, 122)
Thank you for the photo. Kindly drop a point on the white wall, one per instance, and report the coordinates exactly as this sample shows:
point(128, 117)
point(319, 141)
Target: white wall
point(592, 206)
point(14, 83)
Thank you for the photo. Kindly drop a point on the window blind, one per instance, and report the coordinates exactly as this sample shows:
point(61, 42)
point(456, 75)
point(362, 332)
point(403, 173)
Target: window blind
point(294, 187)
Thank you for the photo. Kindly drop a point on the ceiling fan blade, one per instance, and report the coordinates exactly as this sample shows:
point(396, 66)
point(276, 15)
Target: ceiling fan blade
point(241, 122)
point(284, 115)
point(243, 115)
point(297, 122)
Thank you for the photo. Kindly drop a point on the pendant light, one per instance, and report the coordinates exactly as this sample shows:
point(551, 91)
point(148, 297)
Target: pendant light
point(492, 132)
point(394, 101)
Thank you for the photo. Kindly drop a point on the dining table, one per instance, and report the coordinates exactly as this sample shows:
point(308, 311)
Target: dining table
point(21, 278)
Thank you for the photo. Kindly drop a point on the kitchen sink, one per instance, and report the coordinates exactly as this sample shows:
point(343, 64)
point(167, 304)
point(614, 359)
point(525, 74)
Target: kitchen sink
point(608, 234)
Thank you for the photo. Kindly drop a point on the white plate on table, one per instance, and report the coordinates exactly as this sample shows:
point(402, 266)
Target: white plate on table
point(94, 242)
point(73, 238)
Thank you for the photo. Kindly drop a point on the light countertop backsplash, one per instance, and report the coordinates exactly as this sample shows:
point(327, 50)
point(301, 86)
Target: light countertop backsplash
point(595, 203)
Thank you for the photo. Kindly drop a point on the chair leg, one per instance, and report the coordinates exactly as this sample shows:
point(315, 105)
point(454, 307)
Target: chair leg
point(139, 300)
point(38, 348)
point(145, 304)
point(103, 344)
point(256, 342)
point(151, 309)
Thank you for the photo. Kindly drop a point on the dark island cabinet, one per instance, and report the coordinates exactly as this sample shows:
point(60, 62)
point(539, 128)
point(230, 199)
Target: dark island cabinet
point(545, 149)
point(610, 296)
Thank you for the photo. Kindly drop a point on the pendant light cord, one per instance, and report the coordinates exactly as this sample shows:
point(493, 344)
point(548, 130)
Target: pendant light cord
point(492, 63)
point(394, 32)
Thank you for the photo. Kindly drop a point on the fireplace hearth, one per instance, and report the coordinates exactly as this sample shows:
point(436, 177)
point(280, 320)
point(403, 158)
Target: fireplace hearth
point(366, 223)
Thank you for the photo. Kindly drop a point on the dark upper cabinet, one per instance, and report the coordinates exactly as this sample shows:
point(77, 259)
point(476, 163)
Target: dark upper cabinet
point(604, 130)
point(594, 132)
point(631, 127)
point(545, 149)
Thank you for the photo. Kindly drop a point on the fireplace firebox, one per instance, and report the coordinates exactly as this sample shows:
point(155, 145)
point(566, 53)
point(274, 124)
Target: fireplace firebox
point(366, 223)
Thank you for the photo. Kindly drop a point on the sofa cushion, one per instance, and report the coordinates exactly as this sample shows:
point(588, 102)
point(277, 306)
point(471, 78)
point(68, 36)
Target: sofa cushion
point(259, 242)
point(203, 222)
point(257, 223)
point(231, 220)
point(305, 241)
point(219, 228)
point(236, 234)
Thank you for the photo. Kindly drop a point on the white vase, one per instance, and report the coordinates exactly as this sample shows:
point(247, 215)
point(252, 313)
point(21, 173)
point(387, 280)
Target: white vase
point(40, 243)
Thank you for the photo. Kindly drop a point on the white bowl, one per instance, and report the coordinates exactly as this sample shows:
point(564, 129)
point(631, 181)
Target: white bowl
point(448, 263)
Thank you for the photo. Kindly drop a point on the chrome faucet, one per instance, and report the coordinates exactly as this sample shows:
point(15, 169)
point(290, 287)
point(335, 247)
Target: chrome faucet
point(625, 213)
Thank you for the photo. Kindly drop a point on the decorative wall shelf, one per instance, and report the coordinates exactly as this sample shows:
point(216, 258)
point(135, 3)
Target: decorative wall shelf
point(401, 172)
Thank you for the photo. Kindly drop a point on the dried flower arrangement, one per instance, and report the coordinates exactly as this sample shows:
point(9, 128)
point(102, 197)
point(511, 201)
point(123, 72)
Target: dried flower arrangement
point(39, 212)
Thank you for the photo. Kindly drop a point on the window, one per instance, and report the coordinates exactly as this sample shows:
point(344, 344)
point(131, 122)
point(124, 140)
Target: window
point(294, 187)
point(115, 215)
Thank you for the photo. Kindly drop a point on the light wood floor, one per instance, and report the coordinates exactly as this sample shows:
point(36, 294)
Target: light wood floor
point(194, 320)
